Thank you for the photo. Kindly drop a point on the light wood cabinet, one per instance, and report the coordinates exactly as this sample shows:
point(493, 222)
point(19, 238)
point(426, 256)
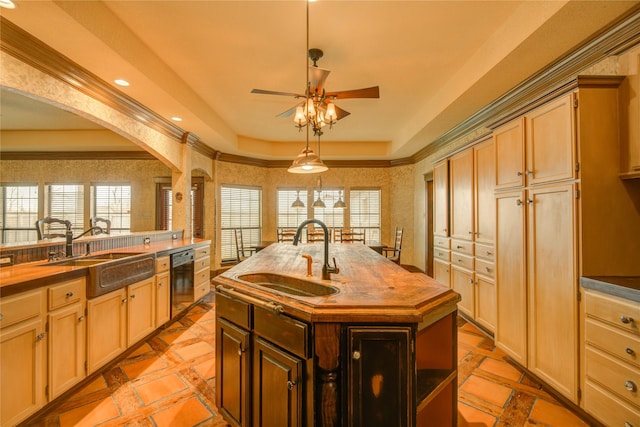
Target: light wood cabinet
point(106, 328)
point(201, 272)
point(66, 325)
point(610, 356)
point(141, 313)
point(23, 355)
point(630, 111)
point(441, 199)
point(163, 290)
point(442, 260)
point(461, 190)
point(509, 147)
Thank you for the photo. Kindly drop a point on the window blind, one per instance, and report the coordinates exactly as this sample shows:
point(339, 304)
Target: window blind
point(240, 207)
point(364, 212)
point(18, 213)
point(330, 216)
point(66, 201)
point(113, 202)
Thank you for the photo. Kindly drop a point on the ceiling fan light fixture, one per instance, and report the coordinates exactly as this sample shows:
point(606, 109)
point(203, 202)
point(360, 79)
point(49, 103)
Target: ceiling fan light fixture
point(307, 162)
point(331, 115)
point(300, 119)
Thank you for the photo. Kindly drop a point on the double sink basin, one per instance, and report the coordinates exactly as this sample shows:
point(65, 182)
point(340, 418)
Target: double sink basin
point(111, 271)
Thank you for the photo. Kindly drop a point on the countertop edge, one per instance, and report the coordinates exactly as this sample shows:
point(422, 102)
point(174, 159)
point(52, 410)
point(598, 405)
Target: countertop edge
point(601, 284)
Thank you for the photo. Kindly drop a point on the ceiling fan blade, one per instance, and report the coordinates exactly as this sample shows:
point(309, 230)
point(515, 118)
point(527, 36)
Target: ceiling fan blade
point(290, 111)
point(369, 92)
point(340, 113)
point(317, 77)
point(272, 92)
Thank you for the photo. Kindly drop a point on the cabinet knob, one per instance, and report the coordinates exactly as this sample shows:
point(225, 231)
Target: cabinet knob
point(529, 201)
point(41, 336)
point(630, 385)
point(355, 355)
point(133, 296)
point(291, 385)
point(459, 247)
point(519, 202)
point(69, 294)
point(124, 300)
point(629, 351)
point(488, 269)
point(627, 424)
point(528, 172)
point(489, 253)
point(240, 351)
point(80, 319)
point(519, 173)
point(626, 320)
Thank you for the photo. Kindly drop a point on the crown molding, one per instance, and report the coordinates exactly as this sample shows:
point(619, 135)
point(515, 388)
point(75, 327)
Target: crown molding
point(76, 155)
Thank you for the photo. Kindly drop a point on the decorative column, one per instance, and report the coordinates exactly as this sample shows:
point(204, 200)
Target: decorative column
point(181, 189)
point(327, 380)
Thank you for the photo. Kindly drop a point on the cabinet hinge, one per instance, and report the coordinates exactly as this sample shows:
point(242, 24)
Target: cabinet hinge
point(575, 101)
point(577, 194)
point(577, 166)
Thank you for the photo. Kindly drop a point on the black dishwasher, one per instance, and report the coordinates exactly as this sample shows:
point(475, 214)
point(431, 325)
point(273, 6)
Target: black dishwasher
point(181, 281)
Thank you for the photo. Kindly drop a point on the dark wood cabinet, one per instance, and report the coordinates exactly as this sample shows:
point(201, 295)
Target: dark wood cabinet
point(277, 386)
point(232, 372)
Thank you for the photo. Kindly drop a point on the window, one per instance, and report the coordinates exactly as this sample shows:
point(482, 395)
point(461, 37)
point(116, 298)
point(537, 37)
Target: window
point(66, 201)
point(164, 204)
point(113, 202)
point(288, 217)
point(332, 217)
point(19, 213)
point(364, 208)
point(240, 207)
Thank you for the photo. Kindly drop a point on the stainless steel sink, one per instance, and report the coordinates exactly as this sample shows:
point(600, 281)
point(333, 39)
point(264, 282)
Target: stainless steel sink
point(113, 270)
point(288, 285)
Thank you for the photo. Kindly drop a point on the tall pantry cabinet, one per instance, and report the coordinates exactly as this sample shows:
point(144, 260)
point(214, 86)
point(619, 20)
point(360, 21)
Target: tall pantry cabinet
point(561, 213)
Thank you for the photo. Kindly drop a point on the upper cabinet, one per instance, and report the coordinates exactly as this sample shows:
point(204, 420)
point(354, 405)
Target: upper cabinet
point(630, 136)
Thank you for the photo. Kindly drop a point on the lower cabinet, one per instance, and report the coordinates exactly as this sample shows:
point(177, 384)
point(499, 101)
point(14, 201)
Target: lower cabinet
point(163, 291)
point(232, 372)
point(117, 320)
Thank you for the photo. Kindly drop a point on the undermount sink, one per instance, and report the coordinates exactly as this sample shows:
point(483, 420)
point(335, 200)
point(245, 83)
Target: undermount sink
point(288, 285)
point(113, 270)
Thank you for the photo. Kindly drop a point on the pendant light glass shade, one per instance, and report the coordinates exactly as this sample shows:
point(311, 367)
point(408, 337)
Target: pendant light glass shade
point(297, 203)
point(319, 203)
point(340, 203)
point(307, 162)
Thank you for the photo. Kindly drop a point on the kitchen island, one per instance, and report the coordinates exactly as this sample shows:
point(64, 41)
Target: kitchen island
point(373, 346)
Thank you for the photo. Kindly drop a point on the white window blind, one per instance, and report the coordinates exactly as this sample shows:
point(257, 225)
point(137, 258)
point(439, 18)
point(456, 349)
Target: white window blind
point(19, 213)
point(289, 217)
point(240, 207)
point(364, 210)
point(66, 201)
point(330, 216)
point(113, 202)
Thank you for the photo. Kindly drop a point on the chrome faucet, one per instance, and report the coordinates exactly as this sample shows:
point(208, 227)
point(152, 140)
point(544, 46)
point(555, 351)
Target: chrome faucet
point(326, 268)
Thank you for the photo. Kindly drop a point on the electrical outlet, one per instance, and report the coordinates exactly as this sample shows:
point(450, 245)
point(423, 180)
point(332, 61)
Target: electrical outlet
point(147, 240)
point(174, 236)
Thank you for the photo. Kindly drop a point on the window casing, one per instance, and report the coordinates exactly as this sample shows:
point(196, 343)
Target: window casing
point(240, 207)
point(112, 202)
point(365, 212)
point(19, 213)
point(164, 206)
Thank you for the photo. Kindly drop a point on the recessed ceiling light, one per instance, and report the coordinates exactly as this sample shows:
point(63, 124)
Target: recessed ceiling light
point(121, 82)
point(8, 4)
point(176, 119)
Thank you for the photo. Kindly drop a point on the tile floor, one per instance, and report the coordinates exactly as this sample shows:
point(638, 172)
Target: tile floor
point(169, 381)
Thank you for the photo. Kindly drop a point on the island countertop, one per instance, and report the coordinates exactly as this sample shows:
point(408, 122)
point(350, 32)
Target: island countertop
point(370, 287)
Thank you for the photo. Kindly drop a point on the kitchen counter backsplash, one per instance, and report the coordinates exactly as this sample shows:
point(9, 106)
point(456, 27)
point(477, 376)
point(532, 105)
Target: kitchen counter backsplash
point(18, 253)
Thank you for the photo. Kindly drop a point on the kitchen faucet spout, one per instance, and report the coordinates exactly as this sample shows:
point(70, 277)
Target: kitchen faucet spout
point(326, 268)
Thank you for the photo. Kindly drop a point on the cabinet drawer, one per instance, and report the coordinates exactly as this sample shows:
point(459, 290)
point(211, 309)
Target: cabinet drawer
point(608, 408)
point(66, 293)
point(201, 277)
point(441, 242)
point(485, 252)
point(201, 263)
point(20, 307)
point(463, 261)
point(284, 331)
point(443, 254)
point(200, 290)
point(620, 378)
point(202, 251)
point(624, 345)
point(485, 268)
point(613, 310)
point(462, 246)
point(162, 264)
point(236, 311)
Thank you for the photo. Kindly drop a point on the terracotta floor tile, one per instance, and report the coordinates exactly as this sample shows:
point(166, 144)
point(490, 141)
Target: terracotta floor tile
point(159, 388)
point(178, 336)
point(206, 369)
point(187, 413)
point(470, 339)
point(554, 415)
point(203, 317)
point(143, 367)
point(144, 348)
point(194, 350)
point(471, 417)
point(91, 414)
point(487, 390)
point(500, 368)
point(95, 385)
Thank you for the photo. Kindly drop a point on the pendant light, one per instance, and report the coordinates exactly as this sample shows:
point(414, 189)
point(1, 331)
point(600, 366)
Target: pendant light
point(319, 203)
point(297, 203)
point(340, 204)
point(307, 161)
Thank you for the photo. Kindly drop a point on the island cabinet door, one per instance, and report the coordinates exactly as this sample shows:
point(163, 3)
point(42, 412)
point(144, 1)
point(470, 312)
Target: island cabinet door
point(232, 373)
point(277, 386)
point(379, 372)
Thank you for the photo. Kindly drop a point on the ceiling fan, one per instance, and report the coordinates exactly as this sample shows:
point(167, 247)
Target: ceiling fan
point(318, 108)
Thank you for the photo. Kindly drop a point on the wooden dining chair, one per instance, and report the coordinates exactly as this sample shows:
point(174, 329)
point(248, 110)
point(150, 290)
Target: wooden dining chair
point(286, 234)
point(315, 235)
point(393, 253)
point(351, 236)
point(242, 253)
point(49, 228)
point(103, 223)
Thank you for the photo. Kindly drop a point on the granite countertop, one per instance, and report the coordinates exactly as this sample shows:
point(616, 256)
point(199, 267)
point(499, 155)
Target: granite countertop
point(369, 285)
point(27, 276)
point(627, 287)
